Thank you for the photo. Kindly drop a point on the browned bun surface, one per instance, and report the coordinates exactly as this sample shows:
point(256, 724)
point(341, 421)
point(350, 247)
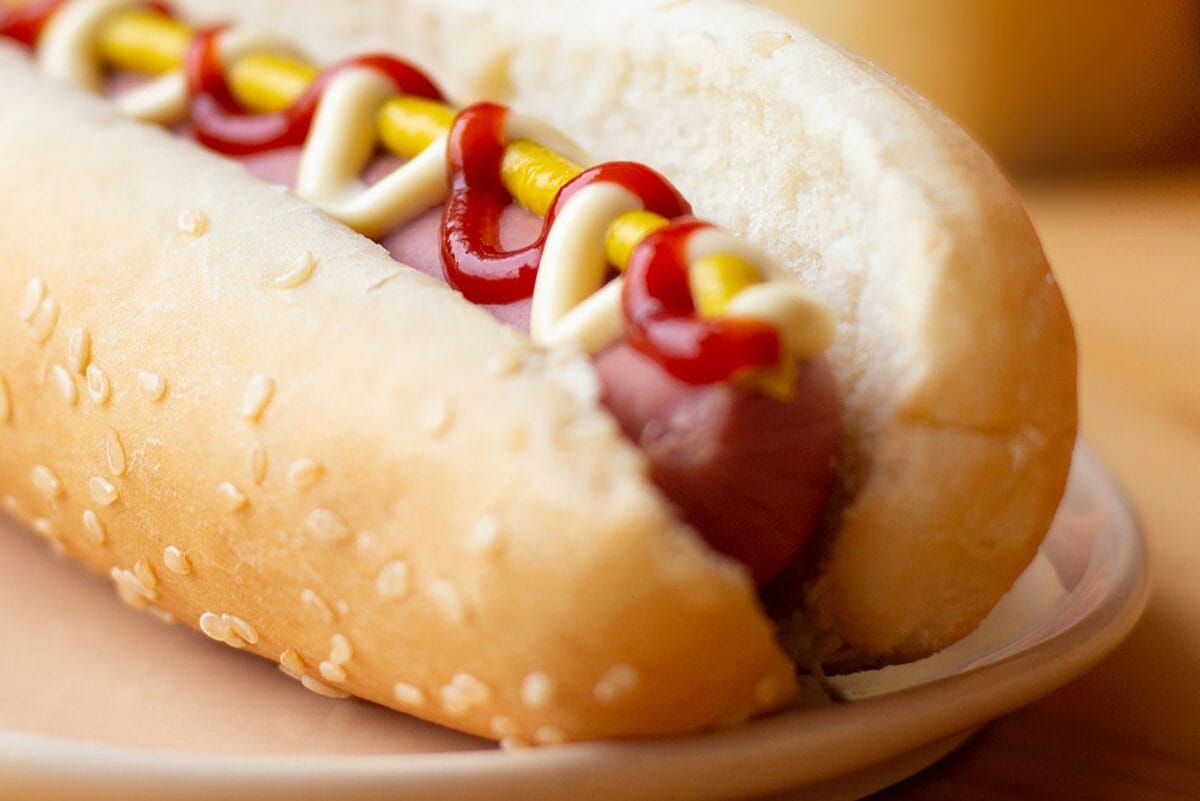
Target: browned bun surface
point(364, 460)
point(955, 356)
point(377, 484)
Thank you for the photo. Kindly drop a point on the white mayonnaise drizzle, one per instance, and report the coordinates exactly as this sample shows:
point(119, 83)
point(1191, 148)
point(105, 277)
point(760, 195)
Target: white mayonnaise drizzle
point(571, 301)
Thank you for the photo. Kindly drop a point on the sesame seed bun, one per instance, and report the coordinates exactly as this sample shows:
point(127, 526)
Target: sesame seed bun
point(955, 354)
point(305, 450)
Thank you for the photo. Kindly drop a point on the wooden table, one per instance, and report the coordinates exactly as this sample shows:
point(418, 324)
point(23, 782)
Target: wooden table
point(1127, 252)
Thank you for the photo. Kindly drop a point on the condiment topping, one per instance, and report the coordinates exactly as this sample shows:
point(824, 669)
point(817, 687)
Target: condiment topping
point(704, 320)
point(474, 261)
point(663, 322)
point(25, 23)
point(220, 122)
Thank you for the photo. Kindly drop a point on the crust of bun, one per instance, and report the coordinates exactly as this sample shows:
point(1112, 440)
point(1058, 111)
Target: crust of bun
point(955, 354)
point(447, 504)
point(361, 471)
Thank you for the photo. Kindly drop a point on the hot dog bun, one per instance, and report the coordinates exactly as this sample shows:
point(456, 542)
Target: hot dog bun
point(956, 355)
point(365, 472)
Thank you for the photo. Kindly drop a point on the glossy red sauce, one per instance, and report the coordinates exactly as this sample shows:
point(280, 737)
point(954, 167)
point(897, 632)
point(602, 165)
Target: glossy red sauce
point(475, 263)
point(24, 24)
point(751, 473)
point(662, 319)
point(219, 122)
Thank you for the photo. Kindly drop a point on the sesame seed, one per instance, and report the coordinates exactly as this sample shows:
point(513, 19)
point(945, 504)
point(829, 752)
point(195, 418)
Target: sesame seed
point(45, 319)
point(342, 606)
point(769, 691)
point(453, 700)
point(44, 527)
point(289, 672)
point(393, 580)
point(436, 416)
point(114, 453)
point(94, 527)
point(131, 596)
point(192, 222)
point(485, 537)
point(303, 473)
point(339, 649)
point(79, 350)
point(538, 690)
point(408, 694)
point(321, 688)
point(64, 383)
point(145, 574)
point(176, 561)
point(214, 626)
point(291, 663)
point(472, 689)
point(46, 482)
point(258, 394)
point(463, 693)
point(103, 491)
point(326, 526)
point(127, 583)
point(230, 497)
point(448, 600)
point(315, 602)
point(11, 504)
point(549, 735)
point(31, 299)
point(617, 681)
point(5, 401)
point(298, 273)
point(241, 628)
point(256, 463)
point(504, 726)
point(98, 387)
point(331, 671)
point(153, 385)
point(130, 584)
point(234, 640)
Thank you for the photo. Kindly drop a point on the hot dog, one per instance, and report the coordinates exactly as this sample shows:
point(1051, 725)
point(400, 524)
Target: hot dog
point(311, 452)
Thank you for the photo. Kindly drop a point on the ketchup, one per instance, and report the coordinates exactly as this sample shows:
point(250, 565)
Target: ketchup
point(25, 23)
point(662, 319)
point(660, 314)
point(219, 122)
point(472, 258)
point(779, 511)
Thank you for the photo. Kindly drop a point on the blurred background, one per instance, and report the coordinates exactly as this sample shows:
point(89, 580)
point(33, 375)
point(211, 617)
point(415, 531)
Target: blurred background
point(1093, 108)
point(1043, 84)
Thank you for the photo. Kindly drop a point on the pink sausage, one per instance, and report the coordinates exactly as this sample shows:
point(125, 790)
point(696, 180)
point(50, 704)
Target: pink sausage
point(750, 473)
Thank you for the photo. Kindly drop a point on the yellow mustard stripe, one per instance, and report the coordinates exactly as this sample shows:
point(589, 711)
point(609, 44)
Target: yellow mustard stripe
point(534, 174)
point(411, 124)
point(715, 280)
point(146, 41)
point(627, 231)
point(142, 40)
point(266, 82)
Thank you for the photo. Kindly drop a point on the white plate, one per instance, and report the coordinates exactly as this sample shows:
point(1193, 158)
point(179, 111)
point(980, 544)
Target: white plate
point(102, 703)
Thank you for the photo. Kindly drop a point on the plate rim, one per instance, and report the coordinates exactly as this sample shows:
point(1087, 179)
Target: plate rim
point(766, 749)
